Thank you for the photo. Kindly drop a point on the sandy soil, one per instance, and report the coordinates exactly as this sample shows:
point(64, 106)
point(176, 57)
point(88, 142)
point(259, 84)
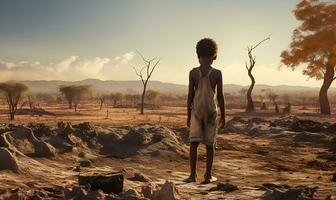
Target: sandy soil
point(251, 154)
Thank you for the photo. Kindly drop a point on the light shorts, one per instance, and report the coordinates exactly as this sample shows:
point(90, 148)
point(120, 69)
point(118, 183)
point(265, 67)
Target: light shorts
point(203, 130)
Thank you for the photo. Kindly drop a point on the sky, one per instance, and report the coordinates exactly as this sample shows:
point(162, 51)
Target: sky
point(81, 39)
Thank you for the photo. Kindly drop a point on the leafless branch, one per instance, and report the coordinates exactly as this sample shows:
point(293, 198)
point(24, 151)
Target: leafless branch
point(268, 38)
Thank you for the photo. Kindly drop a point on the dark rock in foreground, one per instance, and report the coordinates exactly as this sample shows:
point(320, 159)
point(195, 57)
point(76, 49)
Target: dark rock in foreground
point(108, 183)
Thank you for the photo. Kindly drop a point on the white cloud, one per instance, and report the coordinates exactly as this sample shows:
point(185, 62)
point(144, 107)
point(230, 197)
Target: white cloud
point(125, 58)
point(72, 68)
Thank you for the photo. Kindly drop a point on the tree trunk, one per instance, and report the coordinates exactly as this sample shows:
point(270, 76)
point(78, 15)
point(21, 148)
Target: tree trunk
point(75, 107)
point(323, 95)
point(101, 104)
point(250, 104)
point(143, 99)
point(11, 115)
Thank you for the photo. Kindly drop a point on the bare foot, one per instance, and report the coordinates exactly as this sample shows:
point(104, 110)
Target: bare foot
point(190, 179)
point(208, 180)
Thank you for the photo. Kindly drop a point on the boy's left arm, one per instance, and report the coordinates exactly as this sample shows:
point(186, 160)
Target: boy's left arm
point(220, 99)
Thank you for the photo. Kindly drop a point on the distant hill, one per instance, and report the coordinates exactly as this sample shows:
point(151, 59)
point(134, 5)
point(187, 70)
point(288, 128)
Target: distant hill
point(42, 86)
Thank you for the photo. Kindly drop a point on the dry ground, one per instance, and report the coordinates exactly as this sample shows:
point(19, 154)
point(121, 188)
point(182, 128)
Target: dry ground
point(245, 160)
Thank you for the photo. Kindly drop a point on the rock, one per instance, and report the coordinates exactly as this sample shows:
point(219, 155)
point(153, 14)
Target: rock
point(284, 122)
point(333, 178)
point(333, 145)
point(44, 149)
point(227, 187)
point(292, 193)
point(41, 130)
point(253, 131)
point(8, 160)
point(76, 192)
point(22, 132)
point(98, 194)
point(134, 137)
point(307, 125)
point(131, 195)
point(319, 138)
point(109, 183)
point(316, 164)
point(85, 163)
point(140, 177)
point(4, 142)
point(332, 128)
point(147, 191)
point(82, 154)
point(167, 192)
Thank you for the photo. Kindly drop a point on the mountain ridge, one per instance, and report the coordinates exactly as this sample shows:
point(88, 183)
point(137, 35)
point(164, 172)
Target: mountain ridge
point(52, 86)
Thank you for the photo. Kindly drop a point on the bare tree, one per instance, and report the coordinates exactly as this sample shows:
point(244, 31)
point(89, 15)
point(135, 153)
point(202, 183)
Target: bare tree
point(272, 96)
point(149, 67)
point(249, 68)
point(102, 98)
point(13, 93)
point(75, 93)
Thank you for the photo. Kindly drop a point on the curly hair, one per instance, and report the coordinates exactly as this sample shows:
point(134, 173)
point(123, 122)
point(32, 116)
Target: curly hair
point(206, 47)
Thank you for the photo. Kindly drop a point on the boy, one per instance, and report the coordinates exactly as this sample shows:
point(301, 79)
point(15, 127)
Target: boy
point(202, 109)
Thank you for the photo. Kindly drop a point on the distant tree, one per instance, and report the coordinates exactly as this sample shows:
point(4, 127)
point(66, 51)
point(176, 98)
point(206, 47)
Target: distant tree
point(149, 67)
point(45, 97)
point(249, 68)
point(102, 98)
point(314, 45)
point(75, 93)
point(151, 95)
point(13, 93)
point(272, 96)
point(286, 98)
point(116, 97)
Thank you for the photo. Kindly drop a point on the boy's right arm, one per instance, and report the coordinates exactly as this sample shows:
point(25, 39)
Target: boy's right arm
point(191, 93)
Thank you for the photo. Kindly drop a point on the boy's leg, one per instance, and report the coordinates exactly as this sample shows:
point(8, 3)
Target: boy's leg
point(210, 140)
point(193, 162)
point(195, 136)
point(210, 152)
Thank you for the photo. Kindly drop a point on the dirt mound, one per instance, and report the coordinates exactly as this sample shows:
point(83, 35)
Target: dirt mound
point(307, 125)
point(35, 111)
point(144, 138)
point(8, 160)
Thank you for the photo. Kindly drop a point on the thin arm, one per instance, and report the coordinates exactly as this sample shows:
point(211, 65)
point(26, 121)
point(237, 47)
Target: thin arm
point(220, 96)
point(191, 94)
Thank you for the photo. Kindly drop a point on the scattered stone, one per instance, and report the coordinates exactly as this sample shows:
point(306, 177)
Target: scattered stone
point(44, 149)
point(140, 177)
point(167, 192)
point(109, 183)
point(307, 125)
point(333, 178)
point(318, 165)
point(8, 160)
point(76, 192)
point(4, 142)
point(227, 187)
point(85, 163)
point(98, 194)
point(318, 138)
point(292, 193)
point(82, 154)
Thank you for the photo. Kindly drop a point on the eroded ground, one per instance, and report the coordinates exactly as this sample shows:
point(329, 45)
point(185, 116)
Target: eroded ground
point(264, 157)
